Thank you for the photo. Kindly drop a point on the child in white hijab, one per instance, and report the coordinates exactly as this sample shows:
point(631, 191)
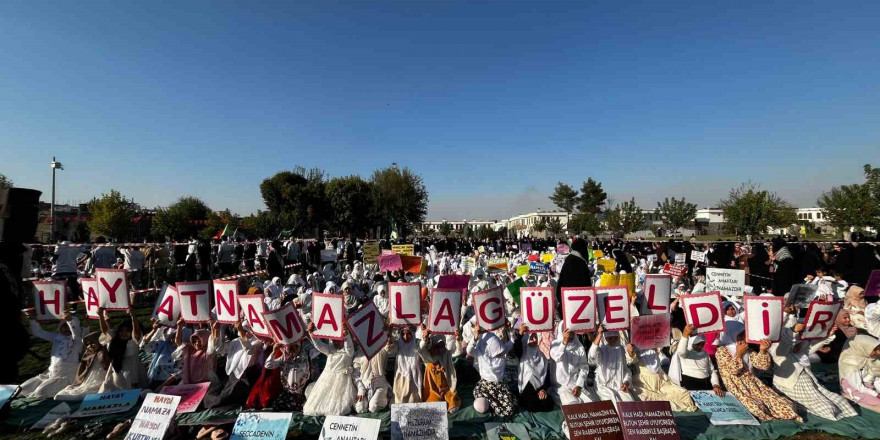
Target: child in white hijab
point(613, 377)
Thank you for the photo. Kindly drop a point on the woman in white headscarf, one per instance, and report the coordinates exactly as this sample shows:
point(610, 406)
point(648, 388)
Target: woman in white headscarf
point(67, 345)
point(534, 384)
point(793, 377)
point(613, 378)
point(653, 384)
point(381, 299)
point(860, 371)
point(735, 366)
point(571, 368)
point(409, 372)
point(691, 367)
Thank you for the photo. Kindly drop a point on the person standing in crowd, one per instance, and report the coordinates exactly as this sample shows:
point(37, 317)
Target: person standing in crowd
point(784, 273)
point(104, 256)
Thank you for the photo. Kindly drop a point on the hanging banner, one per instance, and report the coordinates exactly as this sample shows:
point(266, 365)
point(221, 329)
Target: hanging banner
point(191, 395)
point(730, 282)
point(820, 319)
point(722, 411)
point(253, 308)
point(419, 421)
point(367, 326)
point(90, 296)
point(592, 421)
point(285, 324)
point(390, 262)
point(650, 331)
point(613, 306)
point(579, 309)
point(444, 316)
point(195, 301)
point(763, 318)
point(111, 402)
point(537, 305)
point(647, 420)
point(350, 428)
point(49, 300)
point(261, 426)
point(328, 314)
point(801, 295)
point(371, 252)
point(167, 309)
point(112, 289)
point(489, 308)
point(704, 312)
point(403, 249)
point(154, 417)
point(405, 308)
point(658, 291)
point(226, 301)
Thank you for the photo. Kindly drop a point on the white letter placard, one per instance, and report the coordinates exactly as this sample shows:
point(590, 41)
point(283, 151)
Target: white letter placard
point(579, 309)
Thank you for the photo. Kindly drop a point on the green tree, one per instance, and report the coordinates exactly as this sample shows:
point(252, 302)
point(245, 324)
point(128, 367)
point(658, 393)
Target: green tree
point(298, 199)
point(184, 218)
point(854, 206)
point(749, 210)
point(625, 218)
point(581, 223)
point(676, 213)
point(263, 224)
point(565, 197)
point(111, 216)
point(5, 182)
point(540, 225)
point(351, 202)
point(592, 197)
point(554, 226)
point(400, 198)
point(445, 229)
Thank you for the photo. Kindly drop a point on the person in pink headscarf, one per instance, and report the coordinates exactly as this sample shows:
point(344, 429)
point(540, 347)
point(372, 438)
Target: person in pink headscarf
point(198, 355)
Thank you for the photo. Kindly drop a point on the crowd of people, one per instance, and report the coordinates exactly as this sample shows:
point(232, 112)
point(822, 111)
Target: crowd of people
point(773, 380)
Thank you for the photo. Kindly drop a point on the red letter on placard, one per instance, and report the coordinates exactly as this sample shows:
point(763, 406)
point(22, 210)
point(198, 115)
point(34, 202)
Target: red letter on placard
point(445, 313)
point(765, 316)
point(576, 319)
point(529, 309)
point(229, 306)
point(495, 310)
point(609, 310)
point(167, 307)
point(822, 319)
point(327, 317)
point(696, 315)
point(399, 302)
point(111, 291)
point(56, 301)
point(254, 317)
point(653, 305)
point(291, 325)
point(92, 299)
point(193, 302)
point(372, 337)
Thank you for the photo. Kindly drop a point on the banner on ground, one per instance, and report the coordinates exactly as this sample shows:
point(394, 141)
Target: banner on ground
point(107, 403)
point(647, 420)
point(650, 331)
point(261, 426)
point(613, 306)
point(592, 421)
point(350, 428)
point(537, 306)
point(371, 252)
point(154, 417)
point(579, 309)
point(821, 316)
point(403, 249)
point(725, 410)
point(704, 312)
point(368, 329)
point(416, 421)
point(730, 282)
point(763, 317)
point(50, 298)
point(444, 315)
point(191, 395)
point(62, 411)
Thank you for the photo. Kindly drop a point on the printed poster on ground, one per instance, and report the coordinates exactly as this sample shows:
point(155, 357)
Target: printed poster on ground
point(154, 417)
point(592, 421)
point(261, 426)
point(647, 421)
point(350, 428)
point(725, 410)
point(418, 421)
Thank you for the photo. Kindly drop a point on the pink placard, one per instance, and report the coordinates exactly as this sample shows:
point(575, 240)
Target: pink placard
point(191, 395)
point(390, 262)
point(650, 331)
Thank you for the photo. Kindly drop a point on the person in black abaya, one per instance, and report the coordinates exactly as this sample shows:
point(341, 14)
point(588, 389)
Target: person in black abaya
point(575, 269)
point(785, 271)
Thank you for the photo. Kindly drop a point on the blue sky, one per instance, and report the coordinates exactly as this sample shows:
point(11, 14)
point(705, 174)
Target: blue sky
point(492, 102)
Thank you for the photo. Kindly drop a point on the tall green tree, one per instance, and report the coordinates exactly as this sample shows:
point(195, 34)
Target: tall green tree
point(581, 223)
point(400, 198)
point(445, 229)
point(625, 218)
point(592, 197)
point(111, 216)
point(182, 219)
point(854, 206)
point(218, 221)
point(351, 201)
point(676, 213)
point(749, 210)
point(263, 224)
point(5, 182)
point(298, 199)
point(554, 226)
point(540, 225)
point(565, 197)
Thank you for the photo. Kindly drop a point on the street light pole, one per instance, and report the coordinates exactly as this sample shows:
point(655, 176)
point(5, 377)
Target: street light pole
point(55, 166)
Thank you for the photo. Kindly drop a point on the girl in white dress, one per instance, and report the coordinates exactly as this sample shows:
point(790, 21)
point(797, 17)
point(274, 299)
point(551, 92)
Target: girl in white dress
point(126, 370)
point(90, 372)
point(66, 347)
point(334, 392)
point(409, 372)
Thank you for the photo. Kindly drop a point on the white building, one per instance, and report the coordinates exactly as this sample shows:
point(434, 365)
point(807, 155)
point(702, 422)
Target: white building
point(457, 226)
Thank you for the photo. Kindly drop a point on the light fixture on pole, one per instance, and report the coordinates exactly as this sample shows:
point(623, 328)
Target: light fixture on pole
point(55, 165)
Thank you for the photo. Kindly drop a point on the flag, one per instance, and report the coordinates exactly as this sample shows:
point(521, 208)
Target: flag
point(220, 234)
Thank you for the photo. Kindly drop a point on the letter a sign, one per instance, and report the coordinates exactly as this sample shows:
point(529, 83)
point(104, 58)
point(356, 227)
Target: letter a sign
point(406, 304)
point(49, 300)
point(328, 314)
point(820, 318)
point(444, 316)
point(167, 309)
point(226, 301)
point(367, 327)
point(537, 308)
point(763, 317)
point(90, 296)
point(253, 308)
point(285, 324)
point(703, 311)
point(112, 289)
point(489, 308)
point(579, 309)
